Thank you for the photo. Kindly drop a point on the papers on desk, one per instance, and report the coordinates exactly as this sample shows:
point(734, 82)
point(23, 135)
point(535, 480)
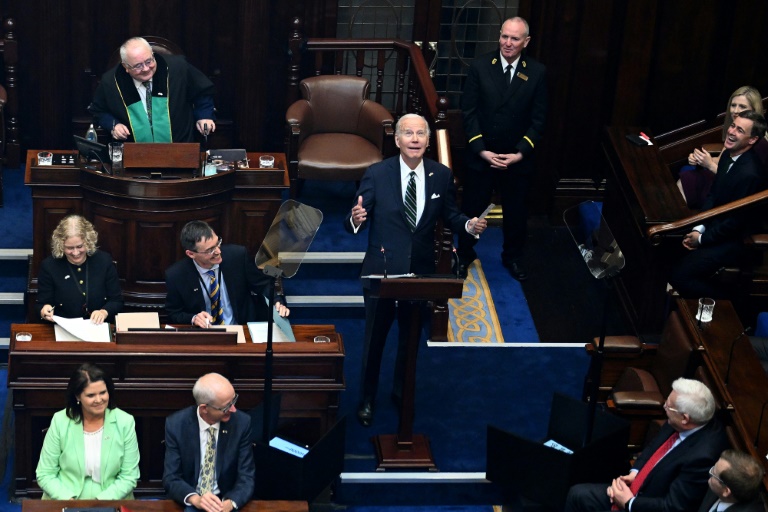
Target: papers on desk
point(125, 321)
point(281, 331)
point(388, 276)
point(80, 329)
point(557, 446)
point(288, 447)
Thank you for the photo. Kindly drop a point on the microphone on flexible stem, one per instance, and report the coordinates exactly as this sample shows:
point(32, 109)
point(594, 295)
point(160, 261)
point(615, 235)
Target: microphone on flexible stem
point(730, 354)
point(456, 262)
point(759, 425)
point(384, 253)
point(103, 167)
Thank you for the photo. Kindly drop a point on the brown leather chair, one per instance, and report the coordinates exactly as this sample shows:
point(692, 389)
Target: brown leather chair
point(335, 132)
point(639, 393)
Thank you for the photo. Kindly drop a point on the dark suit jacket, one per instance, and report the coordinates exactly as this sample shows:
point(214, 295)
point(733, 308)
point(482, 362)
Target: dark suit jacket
point(241, 276)
point(753, 506)
point(234, 457)
point(746, 177)
point(679, 480)
point(56, 286)
point(406, 251)
point(504, 118)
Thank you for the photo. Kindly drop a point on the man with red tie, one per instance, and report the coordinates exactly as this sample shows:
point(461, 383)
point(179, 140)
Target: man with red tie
point(671, 473)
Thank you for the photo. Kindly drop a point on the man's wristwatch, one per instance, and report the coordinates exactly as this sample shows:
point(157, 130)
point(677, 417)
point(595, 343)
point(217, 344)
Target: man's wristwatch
point(234, 505)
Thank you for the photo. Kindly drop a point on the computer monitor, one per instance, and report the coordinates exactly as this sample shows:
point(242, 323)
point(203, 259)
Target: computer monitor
point(92, 150)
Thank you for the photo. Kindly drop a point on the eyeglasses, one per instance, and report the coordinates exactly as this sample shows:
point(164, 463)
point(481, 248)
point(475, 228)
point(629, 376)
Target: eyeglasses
point(212, 250)
point(668, 408)
point(713, 475)
point(226, 407)
point(141, 65)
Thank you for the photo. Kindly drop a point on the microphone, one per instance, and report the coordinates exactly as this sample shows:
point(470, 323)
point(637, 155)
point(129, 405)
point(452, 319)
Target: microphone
point(759, 425)
point(384, 253)
point(730, 355)
point(103, 167)
point(456, 262)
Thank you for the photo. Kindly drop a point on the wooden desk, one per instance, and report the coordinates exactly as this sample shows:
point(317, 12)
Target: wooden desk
point(640, 193)
point(156, 505)
point(153, 381)
point(745, 392)
point(139, 220)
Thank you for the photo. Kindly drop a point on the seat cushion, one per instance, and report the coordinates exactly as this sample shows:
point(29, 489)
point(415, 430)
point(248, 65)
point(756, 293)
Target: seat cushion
point(336, 156)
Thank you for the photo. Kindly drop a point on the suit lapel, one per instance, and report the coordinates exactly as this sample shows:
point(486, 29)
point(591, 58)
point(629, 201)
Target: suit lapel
point(497, 72)
point(107, 440)
point(396, 185)
point(429, 187)
point(222, 443)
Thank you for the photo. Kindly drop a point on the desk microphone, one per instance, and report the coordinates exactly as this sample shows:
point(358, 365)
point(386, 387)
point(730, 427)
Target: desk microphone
point(456, 262)
point(730, 354)
point(384, 253)
point(103, 167)
point(759, 425)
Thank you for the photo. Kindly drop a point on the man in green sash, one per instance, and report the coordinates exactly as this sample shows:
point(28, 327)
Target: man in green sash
point(153, 98)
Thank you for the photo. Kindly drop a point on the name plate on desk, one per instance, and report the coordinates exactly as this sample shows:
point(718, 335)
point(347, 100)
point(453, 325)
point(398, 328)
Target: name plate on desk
point(176, 337)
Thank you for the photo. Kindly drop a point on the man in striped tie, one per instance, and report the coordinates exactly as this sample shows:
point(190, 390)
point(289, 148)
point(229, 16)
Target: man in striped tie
point(401, 199)
point(215, 283)
point(671, 473)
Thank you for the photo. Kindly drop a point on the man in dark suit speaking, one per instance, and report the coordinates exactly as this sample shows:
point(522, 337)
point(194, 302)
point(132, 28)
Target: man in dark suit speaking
point(671, 472)
point(400, 199)
point(720, 242)
point(213, 285)
point(208, 455)
point(505, 106)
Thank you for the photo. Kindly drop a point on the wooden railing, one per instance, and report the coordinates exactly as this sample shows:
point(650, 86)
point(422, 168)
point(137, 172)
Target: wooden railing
point(405, 87)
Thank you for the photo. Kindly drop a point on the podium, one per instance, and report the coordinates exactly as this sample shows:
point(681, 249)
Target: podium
point(406, 450)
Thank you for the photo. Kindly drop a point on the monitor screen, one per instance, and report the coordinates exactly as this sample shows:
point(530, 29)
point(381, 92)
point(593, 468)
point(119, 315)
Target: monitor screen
point(91, 150)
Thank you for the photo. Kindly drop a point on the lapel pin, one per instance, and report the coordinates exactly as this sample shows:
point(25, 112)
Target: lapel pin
point(431, 173)
point(524, 64)
point(66, 276)
point(223, 431)
point(494, 61)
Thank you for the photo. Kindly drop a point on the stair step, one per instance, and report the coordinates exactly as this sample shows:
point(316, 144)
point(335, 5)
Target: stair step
point(15, 254)
point(323, 257)
point(11, 298)
point(320, 301)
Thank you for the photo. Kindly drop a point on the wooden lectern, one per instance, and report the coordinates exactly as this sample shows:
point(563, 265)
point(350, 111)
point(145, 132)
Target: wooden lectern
point(407, 450)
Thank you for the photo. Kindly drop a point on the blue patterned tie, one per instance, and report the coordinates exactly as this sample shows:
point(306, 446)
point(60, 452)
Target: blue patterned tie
point(410, 201)
point(208, 466)
point(217, 312)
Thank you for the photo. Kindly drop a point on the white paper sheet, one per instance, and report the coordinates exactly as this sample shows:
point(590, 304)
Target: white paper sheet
point(80, 329)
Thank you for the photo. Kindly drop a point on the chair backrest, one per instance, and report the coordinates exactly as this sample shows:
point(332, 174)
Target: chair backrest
point(336, 101)
point(673, 356)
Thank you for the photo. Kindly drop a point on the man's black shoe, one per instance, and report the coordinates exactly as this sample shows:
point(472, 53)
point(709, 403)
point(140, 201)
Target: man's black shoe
point(463, 271)
point(365, 413)
point(515, 270)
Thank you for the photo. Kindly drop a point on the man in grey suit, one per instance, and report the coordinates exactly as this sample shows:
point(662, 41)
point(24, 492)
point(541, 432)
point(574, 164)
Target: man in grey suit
point(208, 455)
point(394, 245)
point(734, 483)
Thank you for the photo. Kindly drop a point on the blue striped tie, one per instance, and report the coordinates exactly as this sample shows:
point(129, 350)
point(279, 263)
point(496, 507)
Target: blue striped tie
point(410, 201)
point(217, 312)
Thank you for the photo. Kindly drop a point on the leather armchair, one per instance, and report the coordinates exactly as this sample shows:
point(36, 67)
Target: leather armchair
point(639, 393)
point(335, 132)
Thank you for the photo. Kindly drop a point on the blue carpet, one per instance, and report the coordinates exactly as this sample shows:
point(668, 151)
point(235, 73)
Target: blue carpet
point(16, 213)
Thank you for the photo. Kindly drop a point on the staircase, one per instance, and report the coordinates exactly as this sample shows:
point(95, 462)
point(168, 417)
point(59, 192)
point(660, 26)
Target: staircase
point(13, 281)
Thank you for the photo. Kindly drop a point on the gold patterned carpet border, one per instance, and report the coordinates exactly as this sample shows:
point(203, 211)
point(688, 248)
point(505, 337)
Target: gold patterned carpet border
point(472, 318)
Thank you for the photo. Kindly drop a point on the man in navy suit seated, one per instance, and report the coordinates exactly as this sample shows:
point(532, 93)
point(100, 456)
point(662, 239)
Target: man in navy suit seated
point(734, 484)
point(401, 200)
point(719, 242)
point(671, 472)
point(208, 455)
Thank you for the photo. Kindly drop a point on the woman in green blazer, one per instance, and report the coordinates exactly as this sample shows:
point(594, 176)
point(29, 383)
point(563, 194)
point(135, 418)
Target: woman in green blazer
point(90, 450)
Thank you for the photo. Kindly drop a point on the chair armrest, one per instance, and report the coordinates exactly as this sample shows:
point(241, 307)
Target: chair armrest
point(713, 148)
point(374, 123)
point(759, 241)
point(300, 119)
point(645, 400)
point(620, 344)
